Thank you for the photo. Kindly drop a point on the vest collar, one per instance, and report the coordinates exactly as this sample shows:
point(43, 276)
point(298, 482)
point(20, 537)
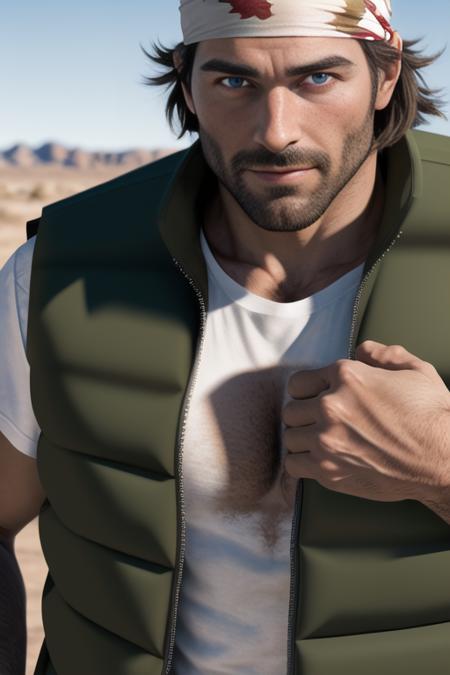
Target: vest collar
point(180, 215)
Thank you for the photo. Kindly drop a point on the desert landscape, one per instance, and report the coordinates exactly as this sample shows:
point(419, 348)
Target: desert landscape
point(30, 179)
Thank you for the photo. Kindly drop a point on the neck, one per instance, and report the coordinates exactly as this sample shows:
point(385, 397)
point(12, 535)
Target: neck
point(292, 265)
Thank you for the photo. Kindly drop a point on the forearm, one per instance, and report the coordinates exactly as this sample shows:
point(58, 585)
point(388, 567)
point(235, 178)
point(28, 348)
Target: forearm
point(13, 631)
point(438, 498)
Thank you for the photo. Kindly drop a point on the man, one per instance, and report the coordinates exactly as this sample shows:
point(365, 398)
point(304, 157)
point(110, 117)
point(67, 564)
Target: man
point(229, 486)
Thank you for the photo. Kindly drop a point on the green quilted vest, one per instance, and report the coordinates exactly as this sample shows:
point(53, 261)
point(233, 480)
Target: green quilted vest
point(117, 314)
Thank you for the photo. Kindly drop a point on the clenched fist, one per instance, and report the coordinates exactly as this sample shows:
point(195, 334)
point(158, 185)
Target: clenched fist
point(377, 427)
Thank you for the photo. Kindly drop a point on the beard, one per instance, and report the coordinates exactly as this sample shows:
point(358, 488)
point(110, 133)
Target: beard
point(282, 208)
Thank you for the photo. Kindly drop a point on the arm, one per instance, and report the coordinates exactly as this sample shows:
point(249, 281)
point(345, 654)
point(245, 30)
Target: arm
point(13, 632)
point(21, 498)
point(21, 493)
point(438, 499)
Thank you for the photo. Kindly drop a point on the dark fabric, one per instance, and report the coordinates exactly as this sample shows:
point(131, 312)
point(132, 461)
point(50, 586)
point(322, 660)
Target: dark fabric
point(32, 227)
point(113, 334)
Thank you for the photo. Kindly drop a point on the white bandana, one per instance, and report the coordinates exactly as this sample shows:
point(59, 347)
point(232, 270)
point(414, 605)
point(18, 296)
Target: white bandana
point(361, 19)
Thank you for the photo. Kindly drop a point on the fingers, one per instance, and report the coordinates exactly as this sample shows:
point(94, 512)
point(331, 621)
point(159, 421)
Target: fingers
point(298, 413)
point(300, 465)
point(300, 439)
point(308, 383)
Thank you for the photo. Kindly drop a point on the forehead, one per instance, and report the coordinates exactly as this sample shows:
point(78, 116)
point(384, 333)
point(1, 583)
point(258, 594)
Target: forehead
point(286, 48)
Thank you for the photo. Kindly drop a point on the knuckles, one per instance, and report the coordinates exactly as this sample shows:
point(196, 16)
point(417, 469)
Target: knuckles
point(345, 370)
point(330, 409)
point(325, 441)
point(398, 350)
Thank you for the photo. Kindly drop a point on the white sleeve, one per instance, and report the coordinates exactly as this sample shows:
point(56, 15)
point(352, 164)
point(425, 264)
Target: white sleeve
point(17, 420)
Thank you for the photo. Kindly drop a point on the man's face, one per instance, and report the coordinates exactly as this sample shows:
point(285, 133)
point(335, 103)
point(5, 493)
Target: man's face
point(319, 119)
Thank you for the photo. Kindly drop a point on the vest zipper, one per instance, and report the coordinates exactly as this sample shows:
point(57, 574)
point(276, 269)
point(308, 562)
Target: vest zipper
point(293, 595)
point(179, 456)
point(294, 579)
point(360, 290)
point(297, 511)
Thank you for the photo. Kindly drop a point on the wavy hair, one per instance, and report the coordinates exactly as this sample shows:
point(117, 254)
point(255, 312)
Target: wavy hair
point(411, 102)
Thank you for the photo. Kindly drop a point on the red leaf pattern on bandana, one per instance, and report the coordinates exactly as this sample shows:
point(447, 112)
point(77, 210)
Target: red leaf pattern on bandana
point(371, 6)
point(248, 8)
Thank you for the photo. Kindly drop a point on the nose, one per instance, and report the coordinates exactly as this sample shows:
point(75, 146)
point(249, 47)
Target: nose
point(277, 121)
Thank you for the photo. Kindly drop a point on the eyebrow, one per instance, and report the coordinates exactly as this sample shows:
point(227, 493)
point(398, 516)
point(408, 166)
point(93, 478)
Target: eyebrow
point(241, 70)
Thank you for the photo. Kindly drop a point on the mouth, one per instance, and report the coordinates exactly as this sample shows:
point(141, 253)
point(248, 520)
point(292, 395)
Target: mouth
point(286, 170)
point(282, 175)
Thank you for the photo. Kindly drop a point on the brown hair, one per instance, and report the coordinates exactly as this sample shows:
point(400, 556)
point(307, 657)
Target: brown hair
point(411, 101)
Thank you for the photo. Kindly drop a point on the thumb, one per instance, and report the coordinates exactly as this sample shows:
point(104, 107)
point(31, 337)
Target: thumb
point(391, 357)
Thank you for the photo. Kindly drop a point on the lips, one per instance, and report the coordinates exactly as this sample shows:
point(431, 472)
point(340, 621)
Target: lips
point(286, 176)
point(299, 168)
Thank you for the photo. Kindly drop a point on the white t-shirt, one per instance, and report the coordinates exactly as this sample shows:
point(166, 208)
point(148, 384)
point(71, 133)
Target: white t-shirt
point(234, 600)
point(17, 420)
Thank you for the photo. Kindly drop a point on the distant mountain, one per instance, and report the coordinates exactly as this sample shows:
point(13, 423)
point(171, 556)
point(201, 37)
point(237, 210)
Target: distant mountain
point(20, 155)
point(55, 154)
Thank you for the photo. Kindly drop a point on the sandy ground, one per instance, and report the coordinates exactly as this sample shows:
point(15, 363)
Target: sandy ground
point(23, 193)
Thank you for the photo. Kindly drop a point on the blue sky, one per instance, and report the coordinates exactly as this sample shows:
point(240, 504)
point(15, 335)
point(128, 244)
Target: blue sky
point(72, 71)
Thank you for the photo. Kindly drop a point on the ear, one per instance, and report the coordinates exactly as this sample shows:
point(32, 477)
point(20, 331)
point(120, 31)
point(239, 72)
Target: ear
point(387, 81)
point(177, 62)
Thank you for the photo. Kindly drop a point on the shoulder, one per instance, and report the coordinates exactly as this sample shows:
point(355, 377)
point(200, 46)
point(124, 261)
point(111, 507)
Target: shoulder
point(15, 288)
point(429, 219)
point(157, 173)
point(99, 219)
point(17, 268)
point(23, 258)
point(433, 148)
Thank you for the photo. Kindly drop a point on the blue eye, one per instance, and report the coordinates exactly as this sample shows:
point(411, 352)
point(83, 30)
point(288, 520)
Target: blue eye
point(320, 78)
point(234, 81)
